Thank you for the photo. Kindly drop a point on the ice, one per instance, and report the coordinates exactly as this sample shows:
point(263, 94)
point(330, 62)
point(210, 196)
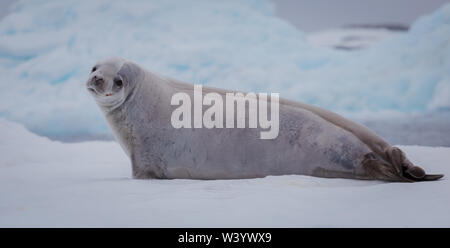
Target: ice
point(48, 47)
point(46, 183)
point(351, 38)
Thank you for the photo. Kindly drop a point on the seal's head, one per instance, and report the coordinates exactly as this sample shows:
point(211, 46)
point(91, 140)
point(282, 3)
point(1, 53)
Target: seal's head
point(111, 80)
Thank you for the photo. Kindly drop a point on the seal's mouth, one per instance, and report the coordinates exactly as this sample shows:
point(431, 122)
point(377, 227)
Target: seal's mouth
point(92, 90)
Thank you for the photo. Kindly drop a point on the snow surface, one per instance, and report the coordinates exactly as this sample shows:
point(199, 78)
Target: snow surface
point(47, 49)
point(46, 183)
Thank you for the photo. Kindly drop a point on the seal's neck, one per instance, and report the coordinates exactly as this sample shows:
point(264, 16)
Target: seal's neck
point(137, 108)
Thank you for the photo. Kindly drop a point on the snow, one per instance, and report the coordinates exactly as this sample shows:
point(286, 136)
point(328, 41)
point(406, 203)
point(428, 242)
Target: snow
point(48, 47)
point(46, 183)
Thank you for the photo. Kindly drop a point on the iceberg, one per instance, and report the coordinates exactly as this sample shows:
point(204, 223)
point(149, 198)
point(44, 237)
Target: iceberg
point(48, 47)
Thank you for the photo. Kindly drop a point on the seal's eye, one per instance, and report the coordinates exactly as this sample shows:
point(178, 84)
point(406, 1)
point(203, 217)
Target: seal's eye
point(93, 69)
point(118, 82)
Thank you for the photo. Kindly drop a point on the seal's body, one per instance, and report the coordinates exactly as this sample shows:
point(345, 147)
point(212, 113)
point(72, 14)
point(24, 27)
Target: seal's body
point(311, 141)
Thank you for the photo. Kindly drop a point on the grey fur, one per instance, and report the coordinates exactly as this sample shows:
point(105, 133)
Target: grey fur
point(311, 141)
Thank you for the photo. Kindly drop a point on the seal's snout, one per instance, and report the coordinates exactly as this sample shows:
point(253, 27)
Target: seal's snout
point(96, 84)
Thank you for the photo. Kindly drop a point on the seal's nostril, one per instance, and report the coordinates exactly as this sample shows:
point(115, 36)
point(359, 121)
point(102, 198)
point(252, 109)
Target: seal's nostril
point(98, 81)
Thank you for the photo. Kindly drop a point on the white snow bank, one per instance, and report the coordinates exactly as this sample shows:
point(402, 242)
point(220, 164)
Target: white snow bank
point(48, 47)
point(51, 184)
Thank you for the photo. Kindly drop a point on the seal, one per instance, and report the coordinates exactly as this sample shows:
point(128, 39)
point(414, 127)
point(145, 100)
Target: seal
point(312, 141)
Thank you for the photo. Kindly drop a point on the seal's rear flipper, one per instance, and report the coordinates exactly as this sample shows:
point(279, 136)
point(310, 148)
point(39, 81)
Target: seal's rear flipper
point(426, 177)
point(396, 167)
point(432, 177)
point(417, 174)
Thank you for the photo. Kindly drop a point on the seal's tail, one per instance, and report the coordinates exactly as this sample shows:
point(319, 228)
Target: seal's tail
point(394, 166)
